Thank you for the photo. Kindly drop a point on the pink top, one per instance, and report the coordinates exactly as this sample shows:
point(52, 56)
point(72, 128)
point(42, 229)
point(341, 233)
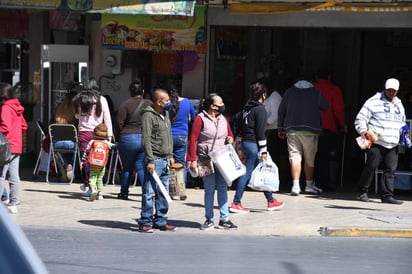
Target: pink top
point(88, 123)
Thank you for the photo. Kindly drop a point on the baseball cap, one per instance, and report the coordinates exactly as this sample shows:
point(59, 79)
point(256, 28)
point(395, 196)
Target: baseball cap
point(392, 83)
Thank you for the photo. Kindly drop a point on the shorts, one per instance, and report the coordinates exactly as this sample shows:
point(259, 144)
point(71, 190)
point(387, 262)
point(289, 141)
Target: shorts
point(302, 146)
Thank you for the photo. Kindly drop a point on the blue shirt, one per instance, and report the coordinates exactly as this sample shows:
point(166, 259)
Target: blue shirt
point(186, 112)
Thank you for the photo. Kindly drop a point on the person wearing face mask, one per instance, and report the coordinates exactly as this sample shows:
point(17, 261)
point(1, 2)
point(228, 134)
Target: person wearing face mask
point(158, 148)
point(252, 121)
point(211, 131)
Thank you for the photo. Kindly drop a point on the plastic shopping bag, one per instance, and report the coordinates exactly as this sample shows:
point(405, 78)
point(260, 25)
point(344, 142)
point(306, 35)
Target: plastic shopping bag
point(228, 163)
point(265, 177)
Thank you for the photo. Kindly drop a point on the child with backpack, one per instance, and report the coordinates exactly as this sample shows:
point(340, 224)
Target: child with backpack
point(97, 155)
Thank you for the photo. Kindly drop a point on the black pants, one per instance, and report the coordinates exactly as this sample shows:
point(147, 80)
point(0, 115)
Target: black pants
point(375, 156)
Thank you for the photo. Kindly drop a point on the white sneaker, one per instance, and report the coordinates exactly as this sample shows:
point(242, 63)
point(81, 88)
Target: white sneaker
point(295, 191)
point(84, 188)
point(313, 189)
point(69, 172)
point(12, 209)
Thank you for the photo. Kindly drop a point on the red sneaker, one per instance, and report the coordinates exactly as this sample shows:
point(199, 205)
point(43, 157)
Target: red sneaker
point(146, 229)
point(165, 227)
point(275, 205)
point(238, 208)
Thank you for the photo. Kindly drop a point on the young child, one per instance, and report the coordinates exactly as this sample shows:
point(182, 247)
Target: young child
point(97, 155)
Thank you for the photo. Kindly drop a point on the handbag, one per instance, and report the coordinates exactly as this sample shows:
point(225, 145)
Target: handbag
point(206, 166)
point(265, 177)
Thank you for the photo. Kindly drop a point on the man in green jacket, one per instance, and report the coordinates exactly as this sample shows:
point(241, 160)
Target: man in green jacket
point(158, 147)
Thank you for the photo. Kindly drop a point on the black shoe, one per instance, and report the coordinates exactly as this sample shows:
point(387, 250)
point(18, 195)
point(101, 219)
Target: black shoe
point(123, 196)
point(226, 225)
point(391, 200)
point(363, 197)
point(207, 224)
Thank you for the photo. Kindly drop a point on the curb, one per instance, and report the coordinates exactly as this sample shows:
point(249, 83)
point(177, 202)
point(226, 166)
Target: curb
point(358, 232)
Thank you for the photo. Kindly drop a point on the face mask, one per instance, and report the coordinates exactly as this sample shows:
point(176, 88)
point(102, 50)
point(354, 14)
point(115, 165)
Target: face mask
point(168, 106)
point(221, 109)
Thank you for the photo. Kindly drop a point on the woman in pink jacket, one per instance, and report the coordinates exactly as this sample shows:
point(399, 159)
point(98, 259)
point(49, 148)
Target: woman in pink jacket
point(12, 125)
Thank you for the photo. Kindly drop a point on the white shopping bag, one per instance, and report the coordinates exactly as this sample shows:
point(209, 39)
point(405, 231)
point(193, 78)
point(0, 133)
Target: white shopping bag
point(161, 187)
point(265, 177)
point(228, 163)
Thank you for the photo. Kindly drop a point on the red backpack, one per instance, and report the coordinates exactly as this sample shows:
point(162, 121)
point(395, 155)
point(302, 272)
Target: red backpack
point(98, 154)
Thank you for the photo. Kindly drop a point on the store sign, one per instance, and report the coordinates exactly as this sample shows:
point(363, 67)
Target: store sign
point(155, 32)
point(185, 8)
point(33, 4)
point(13, 24)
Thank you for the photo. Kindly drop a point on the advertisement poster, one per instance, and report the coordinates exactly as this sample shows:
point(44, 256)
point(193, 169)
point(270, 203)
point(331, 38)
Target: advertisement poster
point(155, 32)
point(158, 7)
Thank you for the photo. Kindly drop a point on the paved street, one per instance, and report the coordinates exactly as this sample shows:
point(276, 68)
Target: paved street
point(64, 206)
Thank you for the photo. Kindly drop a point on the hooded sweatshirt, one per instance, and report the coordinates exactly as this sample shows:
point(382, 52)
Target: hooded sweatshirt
point(253, 123)
point(157, 135)
point(13, 124)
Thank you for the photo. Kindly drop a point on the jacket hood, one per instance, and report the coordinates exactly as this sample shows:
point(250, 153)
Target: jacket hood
point(15, 105)
point(251, 104)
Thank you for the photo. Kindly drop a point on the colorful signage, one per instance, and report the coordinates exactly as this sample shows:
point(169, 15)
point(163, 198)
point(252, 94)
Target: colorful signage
point(155, 32)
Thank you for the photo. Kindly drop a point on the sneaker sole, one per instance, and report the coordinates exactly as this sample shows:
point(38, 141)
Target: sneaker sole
point(294, 194)
point(313, 192)
point(276, 207)
point(226, 228)
point(238, 211)
point(207, 228)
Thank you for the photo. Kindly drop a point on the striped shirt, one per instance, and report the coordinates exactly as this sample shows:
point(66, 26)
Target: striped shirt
point(382, 117)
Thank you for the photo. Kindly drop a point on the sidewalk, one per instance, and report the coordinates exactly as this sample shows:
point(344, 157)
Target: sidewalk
point(334, 214)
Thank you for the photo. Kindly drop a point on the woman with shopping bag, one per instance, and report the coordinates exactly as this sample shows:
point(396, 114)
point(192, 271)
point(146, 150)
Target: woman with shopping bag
point(210, 132)
point(252, 120)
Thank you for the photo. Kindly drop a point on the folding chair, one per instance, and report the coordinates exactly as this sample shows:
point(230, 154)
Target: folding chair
point(43, 153)
point(62, 132)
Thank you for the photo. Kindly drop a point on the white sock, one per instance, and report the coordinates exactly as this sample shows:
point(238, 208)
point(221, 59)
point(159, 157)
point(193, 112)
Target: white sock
point(296, 184)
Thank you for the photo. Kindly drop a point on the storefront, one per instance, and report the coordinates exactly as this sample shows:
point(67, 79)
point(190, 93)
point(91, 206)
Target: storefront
point(361, 45)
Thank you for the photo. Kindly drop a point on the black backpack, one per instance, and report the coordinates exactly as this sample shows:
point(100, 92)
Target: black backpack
point(5, 152)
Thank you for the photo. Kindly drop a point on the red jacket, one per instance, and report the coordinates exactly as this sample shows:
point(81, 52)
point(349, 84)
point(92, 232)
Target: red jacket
point(13, 124)
point(334, 116)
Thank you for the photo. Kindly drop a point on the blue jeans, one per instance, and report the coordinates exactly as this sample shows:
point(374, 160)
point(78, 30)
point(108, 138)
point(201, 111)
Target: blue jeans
point(179, 151)
point(12, 170)
point(211, 183)
point(132, 156)
point(152, 198)
point(250, 150)
point(67, 157)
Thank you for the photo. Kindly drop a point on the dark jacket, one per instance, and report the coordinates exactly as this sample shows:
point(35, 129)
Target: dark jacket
point(157, 135)
point(300, 108)
point(252, 124)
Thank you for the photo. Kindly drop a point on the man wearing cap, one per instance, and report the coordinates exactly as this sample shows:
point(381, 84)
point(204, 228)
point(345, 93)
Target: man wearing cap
point(384, 115)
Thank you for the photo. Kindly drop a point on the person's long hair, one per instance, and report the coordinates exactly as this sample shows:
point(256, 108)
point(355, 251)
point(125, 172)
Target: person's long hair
point(85, 100)
point(65, 112)
point(174, 94)
point(257, 89)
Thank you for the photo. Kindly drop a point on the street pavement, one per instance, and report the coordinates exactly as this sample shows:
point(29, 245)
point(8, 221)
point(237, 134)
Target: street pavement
point(328, 214)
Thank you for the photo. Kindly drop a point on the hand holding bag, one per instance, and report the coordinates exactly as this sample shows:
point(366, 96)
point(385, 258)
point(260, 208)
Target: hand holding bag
point(265, 177)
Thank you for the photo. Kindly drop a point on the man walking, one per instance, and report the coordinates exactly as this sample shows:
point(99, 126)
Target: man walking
point(383, 115)
point(299, 121)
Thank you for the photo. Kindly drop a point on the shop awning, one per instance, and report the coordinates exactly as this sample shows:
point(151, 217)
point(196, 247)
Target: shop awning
point(153, 7)
point(268, 8)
